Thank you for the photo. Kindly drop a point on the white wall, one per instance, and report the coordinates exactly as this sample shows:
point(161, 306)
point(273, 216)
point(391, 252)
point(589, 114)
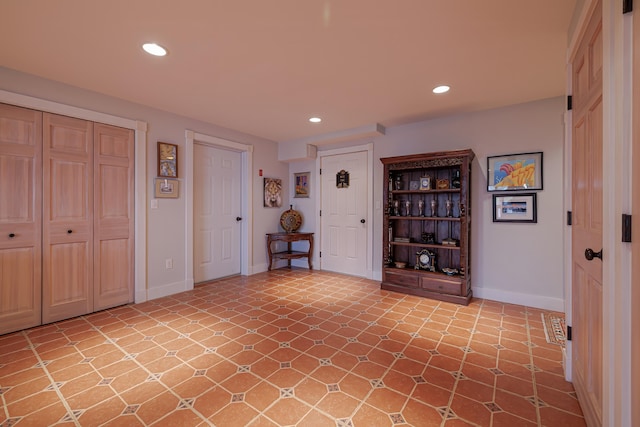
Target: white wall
point(166, 225)
point(518, 263)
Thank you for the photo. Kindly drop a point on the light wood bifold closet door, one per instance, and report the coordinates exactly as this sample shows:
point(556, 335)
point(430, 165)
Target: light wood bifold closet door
point(113, 201)
point(66, 217)
point(20, 218)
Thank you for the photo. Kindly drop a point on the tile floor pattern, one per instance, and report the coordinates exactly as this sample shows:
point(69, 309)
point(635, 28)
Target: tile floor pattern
point(288, 348)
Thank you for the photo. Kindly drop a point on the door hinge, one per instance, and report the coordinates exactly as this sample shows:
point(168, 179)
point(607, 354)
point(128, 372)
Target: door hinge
point(320, 171)
point(569, 218)
point(320, 212)
point(626, 228)
point(320, 254)
point(568, 333)
point(627, 6)
point(569, 102)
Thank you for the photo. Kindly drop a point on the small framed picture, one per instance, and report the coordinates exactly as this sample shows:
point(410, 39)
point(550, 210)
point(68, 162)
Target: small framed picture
point(167, 160)
point(166, 188)
point(272, 192)
point(301, 181)
point(414, 185)
point(516, 208)
point(425, 183)
point(514, 172)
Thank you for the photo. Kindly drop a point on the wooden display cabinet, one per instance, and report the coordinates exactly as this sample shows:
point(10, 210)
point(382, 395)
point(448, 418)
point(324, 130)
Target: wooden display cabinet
point(410, 228)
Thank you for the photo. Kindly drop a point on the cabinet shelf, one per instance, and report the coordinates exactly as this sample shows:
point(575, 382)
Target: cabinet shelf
point(425, 218)
point(454, 168)
point(426, 245)
point(448, 190)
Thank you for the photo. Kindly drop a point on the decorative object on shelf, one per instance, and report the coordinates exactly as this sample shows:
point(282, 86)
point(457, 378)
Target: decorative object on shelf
point(396, 208)
point(166, 188)
point(455, 182)
point(425, 260)
point(515, 208)
point(450, 242)
point(514, 172)
point(407, 207)
point(342, 179)
point(414, 185)
point(434, 207)
point(400, 264)
point(398, 182)
point(428, 238)
point(420, 207)
point(460, 209)
point(301, 181)
point(448, 205)
point(402, 239)
point(290, 220)
point(272, 192)
point(167, 160)
point(442, 184)
point(425, 183)
point(450, 271)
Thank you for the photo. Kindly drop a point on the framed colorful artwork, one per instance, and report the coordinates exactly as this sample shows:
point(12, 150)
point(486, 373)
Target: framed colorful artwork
point(514, 172)
point(167, 160)
point(301, 181)
point(272, 192)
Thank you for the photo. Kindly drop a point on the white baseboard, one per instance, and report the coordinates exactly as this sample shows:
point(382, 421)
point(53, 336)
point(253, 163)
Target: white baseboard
point(530, 300)
point(166, 290)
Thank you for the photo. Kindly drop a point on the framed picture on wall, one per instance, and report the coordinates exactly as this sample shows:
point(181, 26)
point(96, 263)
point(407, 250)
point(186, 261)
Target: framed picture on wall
point(301, 183)
point(515, 208)
point(272, 192)
point(514, 172)
point(166, 188)
point(167, 160)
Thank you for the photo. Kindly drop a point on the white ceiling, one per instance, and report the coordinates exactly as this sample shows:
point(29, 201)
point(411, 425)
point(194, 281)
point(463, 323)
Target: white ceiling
point(264, 67)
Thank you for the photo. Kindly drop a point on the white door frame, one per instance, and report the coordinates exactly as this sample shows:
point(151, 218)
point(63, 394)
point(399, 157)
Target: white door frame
point(348, 150)
point(246, 243)
point(140, 129)
point(616, 157)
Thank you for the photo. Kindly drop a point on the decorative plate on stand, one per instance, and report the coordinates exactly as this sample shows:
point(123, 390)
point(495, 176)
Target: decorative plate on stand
point(291, 220)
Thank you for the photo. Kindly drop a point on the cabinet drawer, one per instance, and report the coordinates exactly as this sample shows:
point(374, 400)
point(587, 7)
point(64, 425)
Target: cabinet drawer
point(440, 285)
point(409, 280)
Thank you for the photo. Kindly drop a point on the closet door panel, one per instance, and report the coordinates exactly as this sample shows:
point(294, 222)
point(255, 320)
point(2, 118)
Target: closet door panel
point(68, 217)
point(20, 218)
point(114, 216)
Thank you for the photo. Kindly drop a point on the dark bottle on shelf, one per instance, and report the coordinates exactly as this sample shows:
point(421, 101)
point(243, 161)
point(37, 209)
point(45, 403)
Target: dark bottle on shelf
point(455, 182)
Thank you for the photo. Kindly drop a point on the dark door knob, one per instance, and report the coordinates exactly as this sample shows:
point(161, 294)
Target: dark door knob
point(69, 231)
point(12, 235)
point(238, 218)
point(589, 254)
point(362, 220)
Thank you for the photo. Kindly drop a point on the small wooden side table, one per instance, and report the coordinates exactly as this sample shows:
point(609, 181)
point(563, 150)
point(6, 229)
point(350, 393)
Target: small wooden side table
point(290, 254)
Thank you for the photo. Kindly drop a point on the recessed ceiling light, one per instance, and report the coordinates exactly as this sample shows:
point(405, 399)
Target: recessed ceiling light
point(441, 89)
point(154, 49)
point(315, 119)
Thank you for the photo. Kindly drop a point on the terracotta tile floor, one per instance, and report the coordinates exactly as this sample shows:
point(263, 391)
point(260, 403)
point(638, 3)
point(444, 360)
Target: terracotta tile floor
point(285, 348)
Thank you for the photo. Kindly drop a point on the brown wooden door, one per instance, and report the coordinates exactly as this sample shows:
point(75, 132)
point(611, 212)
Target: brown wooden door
point(20, 217)
point(587, 220)
point(67, 217)
point(113, 231)
point(635, 239)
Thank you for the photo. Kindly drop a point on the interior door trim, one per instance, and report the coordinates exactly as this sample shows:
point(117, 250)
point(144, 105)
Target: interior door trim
point(247, 196)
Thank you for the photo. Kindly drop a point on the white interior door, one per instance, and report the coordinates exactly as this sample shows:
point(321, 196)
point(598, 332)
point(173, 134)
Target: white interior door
point(217, 212)
point(343, 221)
